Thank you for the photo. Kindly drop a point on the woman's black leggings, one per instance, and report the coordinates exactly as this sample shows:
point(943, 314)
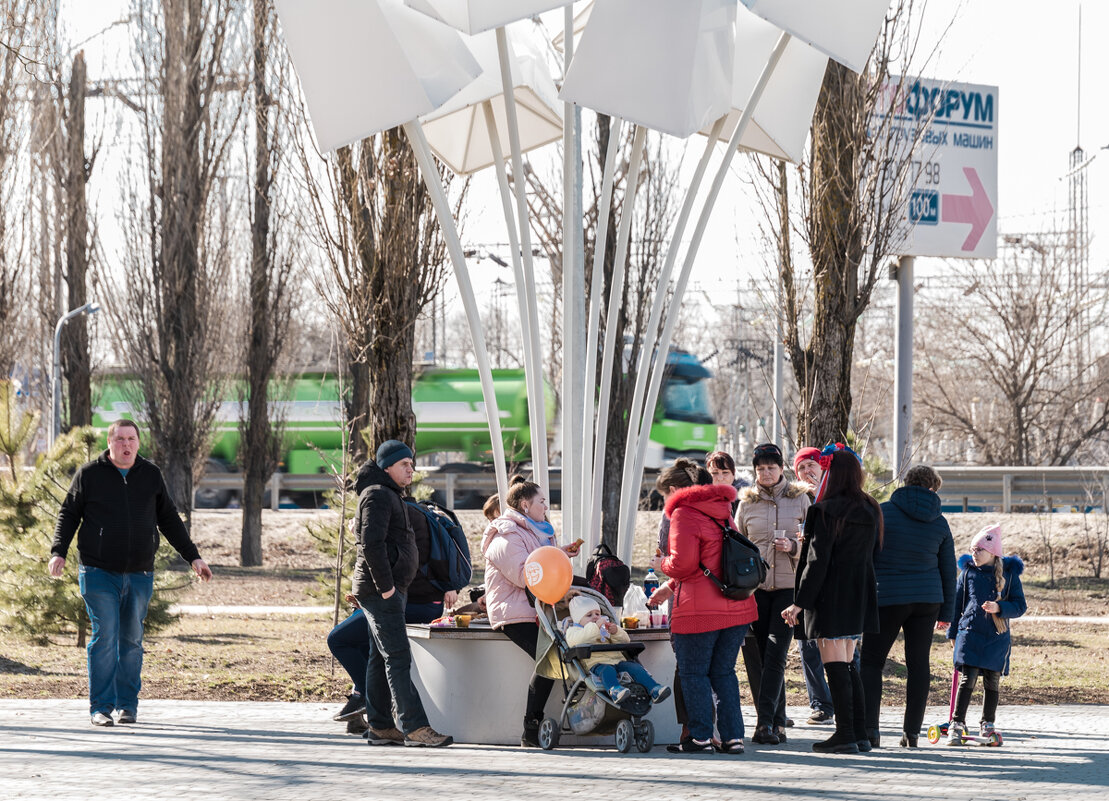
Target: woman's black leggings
point(526, 636)
point(918, 621)
point(991, 688)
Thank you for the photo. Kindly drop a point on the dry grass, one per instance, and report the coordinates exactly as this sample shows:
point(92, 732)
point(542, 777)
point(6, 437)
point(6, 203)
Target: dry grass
point(285, 657)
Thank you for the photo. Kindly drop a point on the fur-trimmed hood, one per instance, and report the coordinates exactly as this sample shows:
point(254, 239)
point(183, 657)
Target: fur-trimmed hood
point(788, 489)
point(1013, 565)
point(701, 495)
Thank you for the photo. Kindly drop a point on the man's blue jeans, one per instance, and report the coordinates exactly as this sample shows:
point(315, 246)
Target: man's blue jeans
point(117, 604)
point(349, 643)
point(389, 668)
point(707, 665)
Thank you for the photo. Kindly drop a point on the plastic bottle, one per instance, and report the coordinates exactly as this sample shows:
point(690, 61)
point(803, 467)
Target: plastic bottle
point(650, 582)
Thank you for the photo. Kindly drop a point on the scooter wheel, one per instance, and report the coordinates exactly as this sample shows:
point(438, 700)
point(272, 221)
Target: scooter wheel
point(934, 734)
point(996, 739)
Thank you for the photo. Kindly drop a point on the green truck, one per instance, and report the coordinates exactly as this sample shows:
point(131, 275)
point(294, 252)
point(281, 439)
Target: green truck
point(450, 418)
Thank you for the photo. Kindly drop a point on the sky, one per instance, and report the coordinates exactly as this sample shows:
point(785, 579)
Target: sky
point(1030, 50)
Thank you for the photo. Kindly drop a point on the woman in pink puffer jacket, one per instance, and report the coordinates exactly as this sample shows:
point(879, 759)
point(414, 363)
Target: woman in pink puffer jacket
point(506, 544)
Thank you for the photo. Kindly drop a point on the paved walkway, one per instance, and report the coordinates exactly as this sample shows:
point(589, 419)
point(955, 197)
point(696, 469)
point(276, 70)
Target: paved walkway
point(208, 751)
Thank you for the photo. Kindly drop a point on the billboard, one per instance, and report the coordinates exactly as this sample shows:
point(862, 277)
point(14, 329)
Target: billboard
point(943, 138)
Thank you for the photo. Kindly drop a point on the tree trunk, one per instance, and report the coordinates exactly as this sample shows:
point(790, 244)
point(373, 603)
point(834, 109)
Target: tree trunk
point(358, 410)
point(259, 442)
point(823, 369)
point(176, 439)
point(75, 339)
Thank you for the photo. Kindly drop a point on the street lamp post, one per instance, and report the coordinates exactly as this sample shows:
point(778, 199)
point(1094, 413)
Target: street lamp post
point(56, 371)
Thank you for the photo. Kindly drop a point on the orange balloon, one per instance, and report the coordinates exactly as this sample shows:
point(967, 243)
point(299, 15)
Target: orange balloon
point(549, 573)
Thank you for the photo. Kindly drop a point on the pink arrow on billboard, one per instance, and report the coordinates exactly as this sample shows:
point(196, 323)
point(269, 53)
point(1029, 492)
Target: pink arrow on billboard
point(974, 208)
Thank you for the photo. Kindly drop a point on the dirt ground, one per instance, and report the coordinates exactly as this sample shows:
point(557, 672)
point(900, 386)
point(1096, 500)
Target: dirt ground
point(284, 657)
point(292, 563)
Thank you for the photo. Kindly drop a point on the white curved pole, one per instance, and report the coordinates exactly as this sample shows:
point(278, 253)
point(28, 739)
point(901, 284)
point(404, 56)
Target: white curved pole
point(529, 310)
point(596, 290)
point(614, 340)
point(536, 410)
point(439, 200)
point(627, 515)
point(629, 486)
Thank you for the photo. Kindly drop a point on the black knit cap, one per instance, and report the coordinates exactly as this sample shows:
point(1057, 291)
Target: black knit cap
point(390, 452)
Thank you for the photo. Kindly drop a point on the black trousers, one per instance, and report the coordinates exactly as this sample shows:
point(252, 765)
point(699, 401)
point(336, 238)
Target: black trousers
point(991, 686)
point(526, 636)
point(917, 621)
point(773, 636)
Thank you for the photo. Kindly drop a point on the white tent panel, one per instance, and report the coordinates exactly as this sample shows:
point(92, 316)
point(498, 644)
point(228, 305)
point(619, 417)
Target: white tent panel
point(843, 29)
point(781, 121)
point(475, 16)
point(457, 131)
point(342, 48)
point(658, 63)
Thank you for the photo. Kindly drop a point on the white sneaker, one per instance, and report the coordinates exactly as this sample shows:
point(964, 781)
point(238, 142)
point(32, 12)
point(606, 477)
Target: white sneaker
point(986, 728)
point(955, 732)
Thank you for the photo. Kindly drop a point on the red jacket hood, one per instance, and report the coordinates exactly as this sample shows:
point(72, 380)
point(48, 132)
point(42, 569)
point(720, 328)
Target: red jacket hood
point(714, 500)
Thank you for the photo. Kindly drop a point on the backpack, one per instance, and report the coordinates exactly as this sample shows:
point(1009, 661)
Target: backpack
point(608, 575)
point(449, 566)
point(742, 567)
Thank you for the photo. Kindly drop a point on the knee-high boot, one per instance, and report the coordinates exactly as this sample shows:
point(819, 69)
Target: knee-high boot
point(840, 686)
point(863, 737)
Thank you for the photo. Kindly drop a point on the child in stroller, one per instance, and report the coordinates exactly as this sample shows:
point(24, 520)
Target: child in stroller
point(590, 627)
point(596, 702)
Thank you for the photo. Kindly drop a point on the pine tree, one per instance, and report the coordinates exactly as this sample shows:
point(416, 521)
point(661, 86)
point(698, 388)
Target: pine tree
point(31, 602)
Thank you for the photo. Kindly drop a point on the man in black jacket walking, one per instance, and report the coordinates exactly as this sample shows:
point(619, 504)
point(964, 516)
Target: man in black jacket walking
point(116, 505)
point(387, 562)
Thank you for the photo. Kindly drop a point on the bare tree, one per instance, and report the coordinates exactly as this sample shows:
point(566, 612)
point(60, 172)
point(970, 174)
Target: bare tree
point(21, 25)
point(851, 187)
point(271, 290)
point(170, 306)
point(384, 261)
point(73, 168)
point(998, 368)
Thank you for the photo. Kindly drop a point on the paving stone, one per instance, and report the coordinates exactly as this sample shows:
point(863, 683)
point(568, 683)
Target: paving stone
point(182, 749)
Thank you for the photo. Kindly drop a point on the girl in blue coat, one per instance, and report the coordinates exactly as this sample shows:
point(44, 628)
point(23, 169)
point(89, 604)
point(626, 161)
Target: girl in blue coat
point(988, 594)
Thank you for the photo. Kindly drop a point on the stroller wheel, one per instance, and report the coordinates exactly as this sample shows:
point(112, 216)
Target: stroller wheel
point(548, 734)
point(645, 736)
point(625, 736)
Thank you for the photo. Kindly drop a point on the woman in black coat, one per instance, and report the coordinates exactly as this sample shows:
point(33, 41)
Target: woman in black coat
point(837, 590)
point(916, 587)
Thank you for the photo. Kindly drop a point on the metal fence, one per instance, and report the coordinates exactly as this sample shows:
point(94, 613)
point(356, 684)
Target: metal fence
point(1002, 489)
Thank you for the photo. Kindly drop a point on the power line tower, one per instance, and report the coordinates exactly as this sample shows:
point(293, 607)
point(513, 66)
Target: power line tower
point(1078, 230)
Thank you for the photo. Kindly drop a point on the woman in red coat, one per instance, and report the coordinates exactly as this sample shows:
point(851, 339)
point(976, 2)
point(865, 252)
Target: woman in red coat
point(707, 629)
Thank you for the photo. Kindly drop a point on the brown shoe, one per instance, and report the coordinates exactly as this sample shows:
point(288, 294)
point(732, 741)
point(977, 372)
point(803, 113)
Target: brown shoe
point(427, 737)
point(390, 736)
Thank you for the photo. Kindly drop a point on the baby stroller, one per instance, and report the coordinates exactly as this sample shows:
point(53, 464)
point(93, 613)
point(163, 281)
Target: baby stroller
point(587, 708)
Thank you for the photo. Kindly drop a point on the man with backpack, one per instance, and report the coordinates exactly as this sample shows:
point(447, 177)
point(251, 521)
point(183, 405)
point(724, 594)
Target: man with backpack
point(443, 567)
point(386, 564)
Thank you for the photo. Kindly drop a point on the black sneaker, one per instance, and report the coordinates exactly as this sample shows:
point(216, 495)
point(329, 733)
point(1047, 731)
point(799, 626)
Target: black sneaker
point(764, 736)
point(353, 708)
point(125, 717)
point(819, 716)
point(780, 733)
